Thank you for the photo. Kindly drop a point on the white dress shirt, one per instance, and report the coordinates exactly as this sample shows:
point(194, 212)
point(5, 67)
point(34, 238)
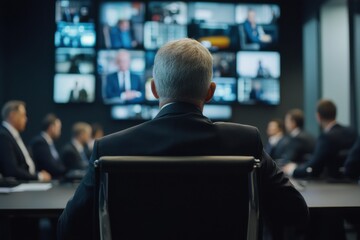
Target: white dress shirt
point(21, 145)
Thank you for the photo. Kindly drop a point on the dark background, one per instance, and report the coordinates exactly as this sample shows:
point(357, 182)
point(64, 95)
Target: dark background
point(27, 69)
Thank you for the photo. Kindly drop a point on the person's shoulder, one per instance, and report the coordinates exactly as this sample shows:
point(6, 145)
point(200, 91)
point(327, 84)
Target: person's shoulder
point(4, 133)
point(112, 75)
point(236, 127)
point(38, 139)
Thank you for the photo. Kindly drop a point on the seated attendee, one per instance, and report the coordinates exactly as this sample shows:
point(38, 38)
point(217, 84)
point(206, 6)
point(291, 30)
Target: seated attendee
point(97, 132)
point(44, 152)
point(15, 160)
point(180, 129)
point(301, 144)
point(73, 154)
point(352, 162)
point(254, 32)
point(277, 140)
point(326, 160)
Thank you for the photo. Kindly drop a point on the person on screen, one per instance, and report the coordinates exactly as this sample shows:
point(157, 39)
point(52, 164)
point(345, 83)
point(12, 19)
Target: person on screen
point(124, 85)
point(334, 140)
point(256, 92)
point(262, 71)
point(182, 81)
point(78, 94)
point(121, 35)
point(255, 33)
point(15, 159)
point(44, 152)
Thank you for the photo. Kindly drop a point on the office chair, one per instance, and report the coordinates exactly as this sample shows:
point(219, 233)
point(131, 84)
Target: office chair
point(192, 197)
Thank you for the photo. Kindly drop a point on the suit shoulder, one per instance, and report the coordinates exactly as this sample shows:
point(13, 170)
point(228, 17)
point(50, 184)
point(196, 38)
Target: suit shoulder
point(236, 127)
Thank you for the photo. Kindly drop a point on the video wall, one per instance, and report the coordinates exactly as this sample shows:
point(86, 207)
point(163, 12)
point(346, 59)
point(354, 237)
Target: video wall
point(111, 45)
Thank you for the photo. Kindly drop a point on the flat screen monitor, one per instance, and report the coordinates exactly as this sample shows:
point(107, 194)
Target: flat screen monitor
point(118, 46)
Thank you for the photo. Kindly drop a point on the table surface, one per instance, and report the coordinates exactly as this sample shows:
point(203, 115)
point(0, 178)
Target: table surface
point(331, 195)
point(50, 202)
point(320, 195)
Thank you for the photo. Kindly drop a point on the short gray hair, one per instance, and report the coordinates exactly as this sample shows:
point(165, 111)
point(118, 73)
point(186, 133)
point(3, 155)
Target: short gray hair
point(182, 70)
point(11, 106)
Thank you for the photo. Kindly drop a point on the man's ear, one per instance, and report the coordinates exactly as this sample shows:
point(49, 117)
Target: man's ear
point(210, 92)
point(153, 89)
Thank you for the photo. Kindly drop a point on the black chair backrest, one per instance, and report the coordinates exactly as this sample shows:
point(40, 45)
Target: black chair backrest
point(192, 197)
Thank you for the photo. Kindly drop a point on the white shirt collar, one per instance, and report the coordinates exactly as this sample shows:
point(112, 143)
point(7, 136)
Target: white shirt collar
point(273, 140)
point(15, 133)
point(168, 104)
point(329, 126)
point(47, 138)
point(77, 145)
point(295, 132)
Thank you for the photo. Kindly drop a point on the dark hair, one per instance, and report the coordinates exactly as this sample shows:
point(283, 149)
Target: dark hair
point(297, 116)
point(49, 120)
point(11, 106)
point(326, 109)
point(279, 123)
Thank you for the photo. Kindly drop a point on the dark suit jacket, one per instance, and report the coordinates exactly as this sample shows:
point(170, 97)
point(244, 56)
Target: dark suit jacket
point(113, 89)
point(180, 129)
point(299, 147)
point(12, 160)
point(352, 163)
point(252, 34)
point(327, 155)
point(43, 158)
point(71, 158)
point(277, 151)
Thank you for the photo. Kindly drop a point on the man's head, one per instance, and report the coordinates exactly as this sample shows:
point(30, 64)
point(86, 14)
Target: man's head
point(123, 60)
point(123, 25)
point(14, 112)
point(52, 126)
point(326, 111)
point(183, 72)
point(294, 119)
point(275, 127)
point(251, 16)
point(81, 131)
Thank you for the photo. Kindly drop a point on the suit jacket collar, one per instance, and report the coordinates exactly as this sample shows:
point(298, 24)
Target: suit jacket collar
point(178, 108)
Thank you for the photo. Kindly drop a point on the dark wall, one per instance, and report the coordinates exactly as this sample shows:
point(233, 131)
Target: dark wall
point(29, 62)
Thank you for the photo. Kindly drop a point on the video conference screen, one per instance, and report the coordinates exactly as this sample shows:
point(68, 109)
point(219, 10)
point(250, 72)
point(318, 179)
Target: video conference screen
point(118, 46)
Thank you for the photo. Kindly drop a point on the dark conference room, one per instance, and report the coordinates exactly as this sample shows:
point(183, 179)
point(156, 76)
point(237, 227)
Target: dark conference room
point(199, 119)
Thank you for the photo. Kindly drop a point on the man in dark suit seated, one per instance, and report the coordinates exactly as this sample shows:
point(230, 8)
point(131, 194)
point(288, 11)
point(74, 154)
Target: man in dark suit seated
point(352, 163)
point(73, 154)
point(182, 82)
point(44, 152)
point(327, 154)
point(277, 141)
point(301, 144)
point(15, 160)
point(254, 32)
point(124, 85)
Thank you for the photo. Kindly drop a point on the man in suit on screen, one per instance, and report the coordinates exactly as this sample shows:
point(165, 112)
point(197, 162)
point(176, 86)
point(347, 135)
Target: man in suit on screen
point(182, 83)
point(124, 85)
